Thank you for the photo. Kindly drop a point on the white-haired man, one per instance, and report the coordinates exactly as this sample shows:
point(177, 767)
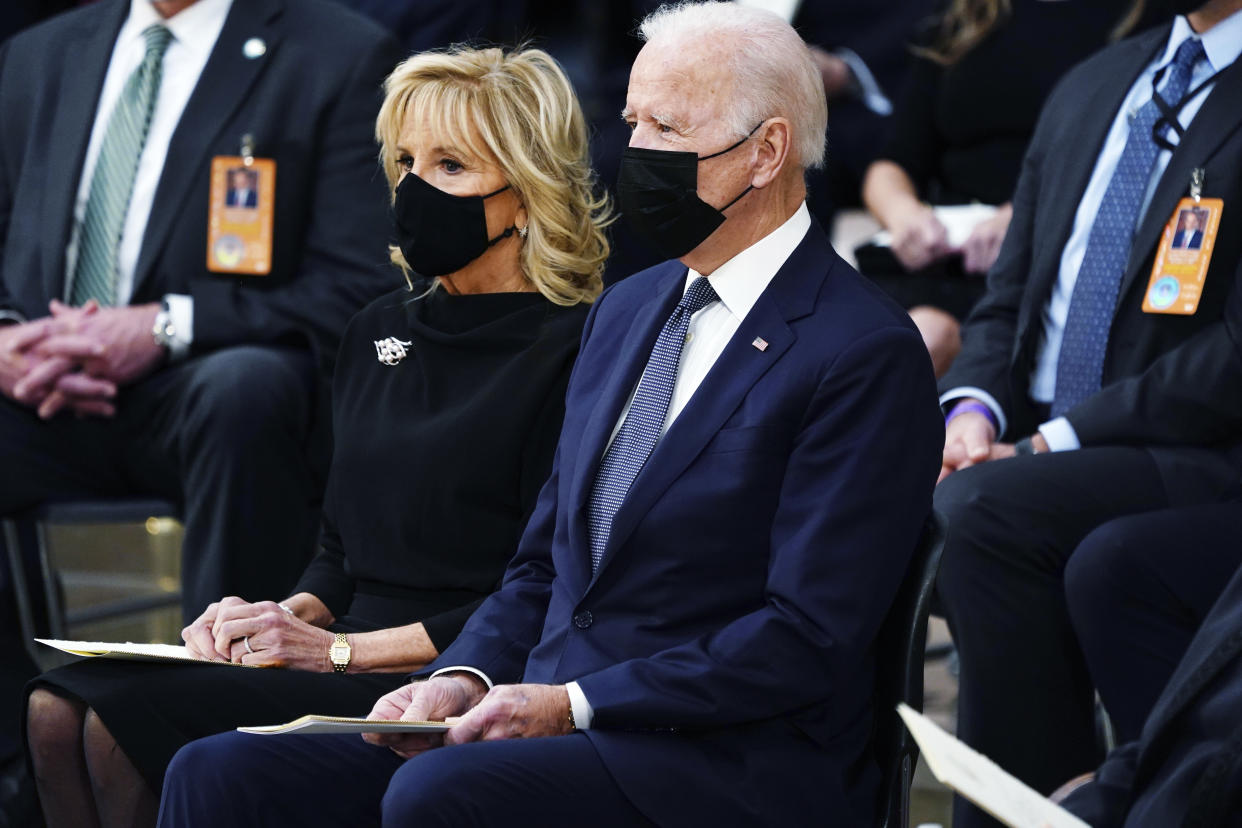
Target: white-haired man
point(685, 634)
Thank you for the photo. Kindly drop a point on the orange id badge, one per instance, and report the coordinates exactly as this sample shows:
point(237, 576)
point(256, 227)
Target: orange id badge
point(239, 218)
point(1183, 257)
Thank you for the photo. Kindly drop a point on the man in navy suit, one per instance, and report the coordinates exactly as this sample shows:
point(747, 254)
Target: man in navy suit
point(242, 191)
point(1190, 235)
point(691, 642)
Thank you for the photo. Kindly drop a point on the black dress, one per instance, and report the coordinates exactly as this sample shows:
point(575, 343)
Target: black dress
point(960, 131)
point(438, 461)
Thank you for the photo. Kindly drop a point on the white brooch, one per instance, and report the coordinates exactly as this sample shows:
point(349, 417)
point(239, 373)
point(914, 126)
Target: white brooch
point(390, 351)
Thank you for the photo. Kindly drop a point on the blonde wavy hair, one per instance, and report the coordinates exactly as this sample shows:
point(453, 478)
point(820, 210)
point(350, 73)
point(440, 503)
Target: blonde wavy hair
point(518, 111)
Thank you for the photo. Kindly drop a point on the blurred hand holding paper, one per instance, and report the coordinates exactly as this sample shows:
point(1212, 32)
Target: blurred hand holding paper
point(981, 780)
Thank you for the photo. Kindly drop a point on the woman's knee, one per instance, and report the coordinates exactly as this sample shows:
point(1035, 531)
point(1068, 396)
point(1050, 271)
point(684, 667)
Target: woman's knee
point(942, 334)
point(53, 727)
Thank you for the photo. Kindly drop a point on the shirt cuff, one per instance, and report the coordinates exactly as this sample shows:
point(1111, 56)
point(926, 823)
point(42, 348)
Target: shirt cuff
point(1060, 435)
point(463, 669)
point(583, 712)
point(11, 317)
point(181, 310)
point(962, 391)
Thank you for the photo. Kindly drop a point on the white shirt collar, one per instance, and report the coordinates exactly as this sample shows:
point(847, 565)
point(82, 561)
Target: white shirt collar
point(739, 281)
point(195, 28)
point(1222, 43)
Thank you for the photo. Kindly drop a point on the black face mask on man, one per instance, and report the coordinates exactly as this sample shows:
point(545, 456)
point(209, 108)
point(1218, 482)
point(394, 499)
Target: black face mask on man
point(439, 232)
point(658, 194)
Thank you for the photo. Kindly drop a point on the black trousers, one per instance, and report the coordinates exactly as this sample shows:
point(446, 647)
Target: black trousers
point(1138, 589)
point(239, 780)
point(1026, 698)
point(232, 435)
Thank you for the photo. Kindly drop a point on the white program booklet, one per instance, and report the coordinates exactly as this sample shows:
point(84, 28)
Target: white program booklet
point(958, 219)
point(128, 651)
point(981, 780)
point(342, 724)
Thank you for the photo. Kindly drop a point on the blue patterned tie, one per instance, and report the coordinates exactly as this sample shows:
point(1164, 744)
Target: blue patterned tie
point(112, 183)
point(1080, 366)
point(644, 421)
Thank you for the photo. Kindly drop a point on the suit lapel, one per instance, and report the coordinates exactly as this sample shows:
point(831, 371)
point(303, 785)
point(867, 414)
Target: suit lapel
point(1219, 117)
point(1093, 118)
point(790, 295)
point(91, 44)
point(223, 87)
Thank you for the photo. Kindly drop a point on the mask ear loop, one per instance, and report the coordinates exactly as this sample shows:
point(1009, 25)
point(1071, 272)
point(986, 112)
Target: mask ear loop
point(512, 228)
point(736, 145)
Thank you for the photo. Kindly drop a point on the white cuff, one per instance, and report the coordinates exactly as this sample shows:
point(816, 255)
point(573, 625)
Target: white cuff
point(463, 669)
point(181, 309)
point(963, 391)
point(1060, 435)
point(12, 316)
point(583, 712)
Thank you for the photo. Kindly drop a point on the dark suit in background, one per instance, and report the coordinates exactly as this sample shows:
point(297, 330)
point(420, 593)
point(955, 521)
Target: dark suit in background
point(1186, 767)
point(1026, 696)
point(235, 431)
point(1138, 587)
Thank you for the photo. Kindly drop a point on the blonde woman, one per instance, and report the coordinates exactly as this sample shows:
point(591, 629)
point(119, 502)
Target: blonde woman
point(447, 404)
point(959, 131)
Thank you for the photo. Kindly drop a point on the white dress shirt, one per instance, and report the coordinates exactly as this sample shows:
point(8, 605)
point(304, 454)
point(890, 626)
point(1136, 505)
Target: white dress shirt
point(194, 33)
point(738, 282)
point(1221, 45)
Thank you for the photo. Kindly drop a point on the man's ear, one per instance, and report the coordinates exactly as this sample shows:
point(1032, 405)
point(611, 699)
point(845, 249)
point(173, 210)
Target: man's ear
point(773, 148)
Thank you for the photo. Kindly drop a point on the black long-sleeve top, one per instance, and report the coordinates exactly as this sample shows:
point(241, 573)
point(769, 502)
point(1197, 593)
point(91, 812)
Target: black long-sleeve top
point(960, 131)
point(439, 458)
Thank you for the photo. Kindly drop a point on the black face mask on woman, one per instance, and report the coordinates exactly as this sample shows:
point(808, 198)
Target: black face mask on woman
point(439, 232)
point(658, 194)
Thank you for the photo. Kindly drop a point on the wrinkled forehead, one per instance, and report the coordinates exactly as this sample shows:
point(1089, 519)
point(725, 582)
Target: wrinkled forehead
point(689, 79)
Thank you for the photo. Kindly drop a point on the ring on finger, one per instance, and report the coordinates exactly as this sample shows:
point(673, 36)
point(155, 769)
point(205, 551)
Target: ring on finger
point(246, 644)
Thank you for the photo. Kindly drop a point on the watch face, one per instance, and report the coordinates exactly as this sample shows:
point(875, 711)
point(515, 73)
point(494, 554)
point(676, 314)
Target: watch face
point(339, 652)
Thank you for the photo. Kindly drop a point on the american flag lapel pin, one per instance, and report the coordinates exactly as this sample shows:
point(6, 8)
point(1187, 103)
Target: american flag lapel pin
point(760, 343)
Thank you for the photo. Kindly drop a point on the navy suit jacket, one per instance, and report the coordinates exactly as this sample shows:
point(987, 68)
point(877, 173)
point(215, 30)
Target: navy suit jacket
point(725, 642)
point(309, 101)
point(1163, 778)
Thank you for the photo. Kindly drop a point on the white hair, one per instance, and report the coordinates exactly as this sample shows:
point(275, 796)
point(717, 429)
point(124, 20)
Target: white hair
point(773, 72)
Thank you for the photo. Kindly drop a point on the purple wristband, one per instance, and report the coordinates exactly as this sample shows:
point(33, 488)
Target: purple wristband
point(972, 405)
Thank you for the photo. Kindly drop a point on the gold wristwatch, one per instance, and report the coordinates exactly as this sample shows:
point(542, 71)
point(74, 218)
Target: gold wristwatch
point(340, 652)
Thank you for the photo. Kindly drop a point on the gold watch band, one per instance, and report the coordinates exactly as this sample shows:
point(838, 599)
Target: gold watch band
point(341, 665)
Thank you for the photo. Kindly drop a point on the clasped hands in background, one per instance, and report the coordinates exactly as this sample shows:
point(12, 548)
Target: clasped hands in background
point(920, 239)
point(77, 358)
point(970, 439)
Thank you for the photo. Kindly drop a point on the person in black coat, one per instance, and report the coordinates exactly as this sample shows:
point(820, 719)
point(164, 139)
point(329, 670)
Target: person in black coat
point(1033, 461)
point(1185, 768)
point(447, 403)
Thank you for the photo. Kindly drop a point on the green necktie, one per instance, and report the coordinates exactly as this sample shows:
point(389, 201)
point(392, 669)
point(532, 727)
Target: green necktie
point(113, 181)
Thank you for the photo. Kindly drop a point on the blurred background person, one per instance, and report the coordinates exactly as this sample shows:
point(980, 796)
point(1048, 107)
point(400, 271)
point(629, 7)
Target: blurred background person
point(977, 81)
point(448, 401)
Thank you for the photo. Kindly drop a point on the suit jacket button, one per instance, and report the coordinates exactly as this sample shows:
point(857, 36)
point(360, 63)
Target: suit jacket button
point(583, 620)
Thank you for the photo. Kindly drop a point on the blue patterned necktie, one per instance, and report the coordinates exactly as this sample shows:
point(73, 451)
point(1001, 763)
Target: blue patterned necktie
point(1080, 366)
point(644, 421)
point(112, 183)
